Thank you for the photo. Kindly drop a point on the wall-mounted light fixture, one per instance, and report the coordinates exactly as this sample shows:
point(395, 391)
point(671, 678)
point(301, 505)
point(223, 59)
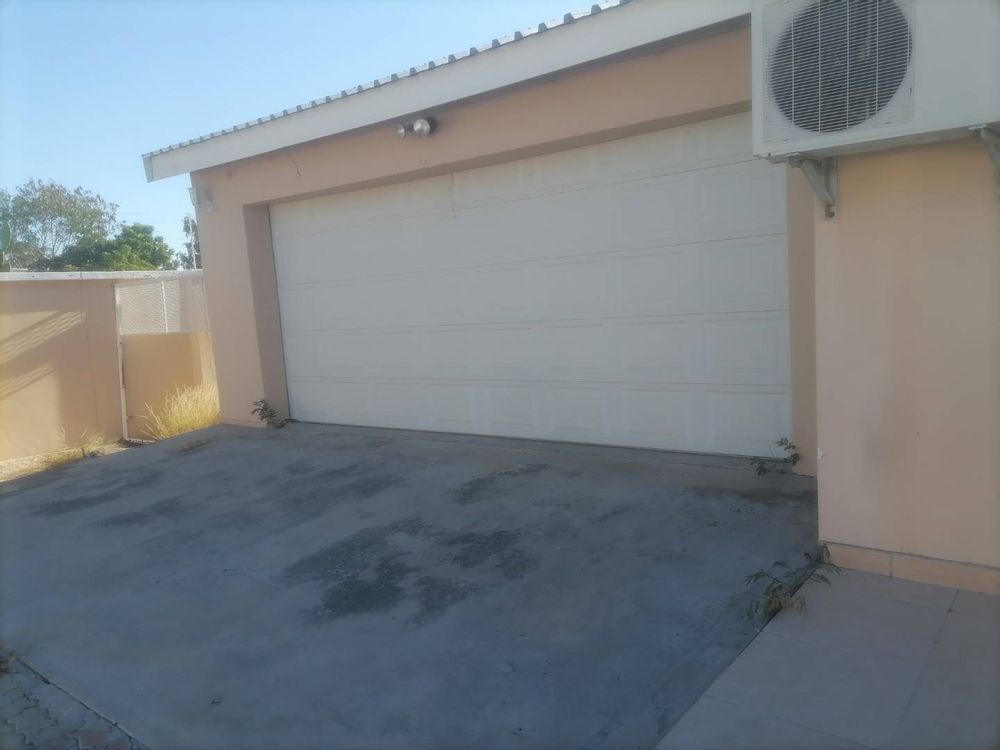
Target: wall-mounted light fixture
point(422, 126)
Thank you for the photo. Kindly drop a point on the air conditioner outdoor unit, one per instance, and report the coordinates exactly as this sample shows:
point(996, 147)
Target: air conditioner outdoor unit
point(838, 76)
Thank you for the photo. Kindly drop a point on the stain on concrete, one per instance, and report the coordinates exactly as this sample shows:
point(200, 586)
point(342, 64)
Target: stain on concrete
point(307, 494)
point(475, 548)
point(359, 595)
point(516, 564)
point(768, 496)
point(193, 446)
point(477, 489)
point(773, 497)
point(473, 490)
point(437, 595)
point(172, 507)
point(372, 570)
point(367, 487)
point(620, 510)
point(109, 489)
point(297, 468)
point(352, 555)
point(81, 502)
point(341, 472)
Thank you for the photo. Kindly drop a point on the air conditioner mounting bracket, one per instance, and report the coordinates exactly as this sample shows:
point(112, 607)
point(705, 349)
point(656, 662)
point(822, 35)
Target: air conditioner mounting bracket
point(822, 175)
point(990, 138)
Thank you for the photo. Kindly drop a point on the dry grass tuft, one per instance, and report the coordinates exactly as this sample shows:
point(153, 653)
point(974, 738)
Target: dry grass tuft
point(184, 410)
point(89, 445)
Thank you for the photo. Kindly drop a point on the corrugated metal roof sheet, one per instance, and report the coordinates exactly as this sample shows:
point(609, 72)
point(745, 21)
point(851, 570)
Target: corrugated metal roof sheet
point(386, 80)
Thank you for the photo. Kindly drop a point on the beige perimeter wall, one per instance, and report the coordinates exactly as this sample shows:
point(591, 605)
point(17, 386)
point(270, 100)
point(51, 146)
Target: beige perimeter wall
point(59, 365)
point(908, 362)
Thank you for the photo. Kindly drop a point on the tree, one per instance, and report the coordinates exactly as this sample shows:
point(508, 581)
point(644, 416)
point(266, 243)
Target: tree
point(45, 218)
point(134, 248)
point(192, 245)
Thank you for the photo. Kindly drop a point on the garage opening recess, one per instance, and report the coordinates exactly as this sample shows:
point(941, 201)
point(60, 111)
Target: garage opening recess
point(632, 292)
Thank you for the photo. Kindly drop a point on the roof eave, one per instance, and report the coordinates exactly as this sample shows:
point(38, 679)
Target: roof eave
point(604, 34)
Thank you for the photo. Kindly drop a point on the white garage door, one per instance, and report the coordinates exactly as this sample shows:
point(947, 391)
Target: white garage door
point(629, 293)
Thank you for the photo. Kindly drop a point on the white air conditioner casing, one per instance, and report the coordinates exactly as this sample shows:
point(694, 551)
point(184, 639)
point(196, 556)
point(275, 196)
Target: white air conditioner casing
point(922, 70)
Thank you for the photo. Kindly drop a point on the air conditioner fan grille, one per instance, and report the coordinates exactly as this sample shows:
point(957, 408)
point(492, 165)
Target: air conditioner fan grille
point(839, 62)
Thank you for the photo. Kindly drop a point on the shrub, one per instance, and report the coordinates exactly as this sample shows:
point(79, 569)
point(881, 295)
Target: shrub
point(184, 410)
point(267, 414)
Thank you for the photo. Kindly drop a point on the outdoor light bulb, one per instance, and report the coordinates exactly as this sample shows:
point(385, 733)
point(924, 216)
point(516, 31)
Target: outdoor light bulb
point(401, 130)
point(421, 127)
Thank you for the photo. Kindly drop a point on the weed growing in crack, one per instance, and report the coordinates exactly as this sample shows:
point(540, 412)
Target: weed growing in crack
point(782, 586)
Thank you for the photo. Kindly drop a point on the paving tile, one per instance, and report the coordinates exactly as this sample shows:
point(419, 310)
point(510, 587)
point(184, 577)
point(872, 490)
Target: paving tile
point(712, 724)
point(857, 584)
point(860, 696)
point(870, 623)
point(978, 605)
point(957, 702)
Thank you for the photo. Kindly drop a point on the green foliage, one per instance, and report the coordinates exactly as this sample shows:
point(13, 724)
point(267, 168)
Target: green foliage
point(53, 228)
point(5, 239)
point(134, 248)
point(780, 590)
point(45, 218)
point(792, 456)
point(191, 244)
point(267, 414)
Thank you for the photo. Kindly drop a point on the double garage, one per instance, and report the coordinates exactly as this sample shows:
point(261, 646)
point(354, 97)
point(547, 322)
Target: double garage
point(632, 292)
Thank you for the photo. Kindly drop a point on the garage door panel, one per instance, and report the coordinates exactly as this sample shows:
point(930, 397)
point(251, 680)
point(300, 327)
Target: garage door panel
point(740, 201)
point(580, 351)
point(663, 280)
point(450, 353)
point(504, 293)
point(657, 153)
point(724, 140)
point(399, 404)
point(574, 288)
point(576, 413)
point(741, 422)
point(451, 407)
point(658, 212)
point(342, 355)
point(747, 349)
point(393, 354)
point(631, 292)
point(662, 418)
point(659, 351)
point(746, 274)
point(511, 353)
point(303, 355)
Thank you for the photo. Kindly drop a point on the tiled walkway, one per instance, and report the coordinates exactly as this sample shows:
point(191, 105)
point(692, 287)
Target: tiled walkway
point(874, 662)
point(37, 715)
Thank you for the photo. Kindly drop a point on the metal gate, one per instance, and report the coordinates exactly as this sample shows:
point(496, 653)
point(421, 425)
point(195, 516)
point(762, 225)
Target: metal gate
point(173, 303)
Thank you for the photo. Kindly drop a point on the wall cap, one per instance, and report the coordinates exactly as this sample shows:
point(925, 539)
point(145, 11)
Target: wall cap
point(11, 276)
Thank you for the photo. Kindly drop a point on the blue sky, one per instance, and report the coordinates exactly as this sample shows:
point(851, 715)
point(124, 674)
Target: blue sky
point(87, 86)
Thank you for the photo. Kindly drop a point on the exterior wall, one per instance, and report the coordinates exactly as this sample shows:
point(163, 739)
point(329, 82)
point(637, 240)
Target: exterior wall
point(697, 79)
point(156, 364)
point(59, 365)
point(908, 363)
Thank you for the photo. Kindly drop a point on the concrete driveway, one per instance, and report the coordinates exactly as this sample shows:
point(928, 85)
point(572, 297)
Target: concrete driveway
point(352, 588)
